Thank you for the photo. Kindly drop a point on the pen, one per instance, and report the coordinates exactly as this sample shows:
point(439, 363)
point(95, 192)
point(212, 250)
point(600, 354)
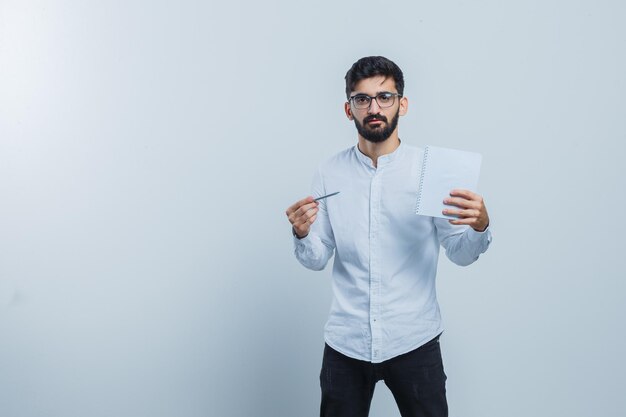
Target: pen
point(326, 196)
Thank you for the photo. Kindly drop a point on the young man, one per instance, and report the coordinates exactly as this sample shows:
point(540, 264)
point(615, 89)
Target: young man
point(384, 321)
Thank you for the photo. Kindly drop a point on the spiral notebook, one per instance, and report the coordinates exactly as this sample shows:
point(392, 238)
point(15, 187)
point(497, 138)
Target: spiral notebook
point(443, 170)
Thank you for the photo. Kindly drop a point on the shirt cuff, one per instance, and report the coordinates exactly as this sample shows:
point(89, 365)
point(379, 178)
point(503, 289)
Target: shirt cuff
point(300, 241)
point(475, 236)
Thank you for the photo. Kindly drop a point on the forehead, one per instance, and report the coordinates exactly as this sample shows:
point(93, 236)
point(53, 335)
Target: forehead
point(374, 85)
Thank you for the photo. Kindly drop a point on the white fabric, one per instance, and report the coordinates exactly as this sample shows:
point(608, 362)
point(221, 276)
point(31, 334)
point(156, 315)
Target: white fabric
point(384, 301)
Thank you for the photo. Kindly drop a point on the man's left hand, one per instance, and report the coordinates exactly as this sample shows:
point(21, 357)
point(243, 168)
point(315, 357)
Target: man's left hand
point(472, 210)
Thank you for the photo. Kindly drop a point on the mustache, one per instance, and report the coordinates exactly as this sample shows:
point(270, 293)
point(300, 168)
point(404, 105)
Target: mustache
point(375, 117)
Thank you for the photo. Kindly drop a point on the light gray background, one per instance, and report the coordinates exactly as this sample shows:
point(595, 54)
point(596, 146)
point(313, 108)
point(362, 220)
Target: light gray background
point(149, 149)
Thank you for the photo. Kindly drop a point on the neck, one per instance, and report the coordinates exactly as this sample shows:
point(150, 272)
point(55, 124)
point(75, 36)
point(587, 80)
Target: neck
point(374, 150)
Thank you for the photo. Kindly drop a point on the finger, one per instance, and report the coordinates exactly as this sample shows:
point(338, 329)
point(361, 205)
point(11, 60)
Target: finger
point(293, 216)
point(292, 208)
point(303, 209)
point(462, 213)
point(465, 194)
point(304, 217)
point(467, 221)
point(303, 228)
point(309, 213)
point(461, 202)
point(295, 206)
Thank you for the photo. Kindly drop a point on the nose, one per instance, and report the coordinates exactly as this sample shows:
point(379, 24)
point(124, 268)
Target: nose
point(374, 108)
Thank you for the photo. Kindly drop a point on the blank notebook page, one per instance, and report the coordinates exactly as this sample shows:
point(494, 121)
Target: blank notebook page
point(443, 170)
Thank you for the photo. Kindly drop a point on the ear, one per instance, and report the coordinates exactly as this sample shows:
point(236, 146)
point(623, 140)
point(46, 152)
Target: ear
point(348, 110)
point(404, 106)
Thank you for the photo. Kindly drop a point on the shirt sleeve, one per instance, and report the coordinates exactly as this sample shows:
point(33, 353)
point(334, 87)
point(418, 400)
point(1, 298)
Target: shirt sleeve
point(463, 244)
point(314, 250)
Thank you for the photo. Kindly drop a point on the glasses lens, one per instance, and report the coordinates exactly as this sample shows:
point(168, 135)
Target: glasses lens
point(361, 101)
point(385, 99)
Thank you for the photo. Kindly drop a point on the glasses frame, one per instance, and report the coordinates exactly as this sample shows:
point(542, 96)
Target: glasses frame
point(351, 99)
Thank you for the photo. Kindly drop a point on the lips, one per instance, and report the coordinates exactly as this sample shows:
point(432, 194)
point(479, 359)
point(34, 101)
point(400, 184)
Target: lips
point(374, 120)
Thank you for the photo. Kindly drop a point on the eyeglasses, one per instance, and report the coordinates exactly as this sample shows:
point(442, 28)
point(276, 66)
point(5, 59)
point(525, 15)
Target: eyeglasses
point(384, 100)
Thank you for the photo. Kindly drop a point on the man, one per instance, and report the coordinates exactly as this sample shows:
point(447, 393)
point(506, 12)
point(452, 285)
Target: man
point(384, 322)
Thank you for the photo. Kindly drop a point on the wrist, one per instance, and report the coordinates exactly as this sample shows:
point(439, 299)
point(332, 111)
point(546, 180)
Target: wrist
point(479, 230)
point(293, 230)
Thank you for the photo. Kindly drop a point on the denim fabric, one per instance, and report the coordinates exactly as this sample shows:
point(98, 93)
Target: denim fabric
point(416, 379)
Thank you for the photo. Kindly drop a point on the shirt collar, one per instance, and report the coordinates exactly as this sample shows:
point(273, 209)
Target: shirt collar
point(382, 160)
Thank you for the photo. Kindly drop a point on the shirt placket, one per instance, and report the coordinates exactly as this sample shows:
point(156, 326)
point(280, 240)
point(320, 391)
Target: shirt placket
point(375, 271)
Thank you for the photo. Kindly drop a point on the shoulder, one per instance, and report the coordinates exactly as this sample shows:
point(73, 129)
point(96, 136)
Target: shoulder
point(338, 161)
point(410, 155)
point(412, 150)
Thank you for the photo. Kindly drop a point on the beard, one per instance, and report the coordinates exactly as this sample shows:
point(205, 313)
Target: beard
point(380, 133)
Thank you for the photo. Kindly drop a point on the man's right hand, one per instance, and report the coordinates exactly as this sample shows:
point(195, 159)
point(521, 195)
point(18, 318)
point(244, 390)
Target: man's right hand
point(301, 215)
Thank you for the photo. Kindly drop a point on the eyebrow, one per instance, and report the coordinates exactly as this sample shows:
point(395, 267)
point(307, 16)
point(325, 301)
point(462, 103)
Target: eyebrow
point(377, 93)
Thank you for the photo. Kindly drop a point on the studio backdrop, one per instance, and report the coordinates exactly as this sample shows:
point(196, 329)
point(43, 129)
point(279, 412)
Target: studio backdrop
point(149, 150)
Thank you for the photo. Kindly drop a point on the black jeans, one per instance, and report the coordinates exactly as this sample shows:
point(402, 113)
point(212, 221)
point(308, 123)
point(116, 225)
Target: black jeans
point(416, 380)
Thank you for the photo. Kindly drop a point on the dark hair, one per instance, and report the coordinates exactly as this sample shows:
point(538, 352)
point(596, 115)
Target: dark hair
point(371, 66)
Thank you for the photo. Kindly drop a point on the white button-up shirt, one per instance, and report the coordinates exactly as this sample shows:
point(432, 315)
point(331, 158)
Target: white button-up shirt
point(384, 300)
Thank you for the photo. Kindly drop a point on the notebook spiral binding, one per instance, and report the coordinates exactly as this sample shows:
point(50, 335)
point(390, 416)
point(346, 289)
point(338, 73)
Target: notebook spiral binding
point(423, 172)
